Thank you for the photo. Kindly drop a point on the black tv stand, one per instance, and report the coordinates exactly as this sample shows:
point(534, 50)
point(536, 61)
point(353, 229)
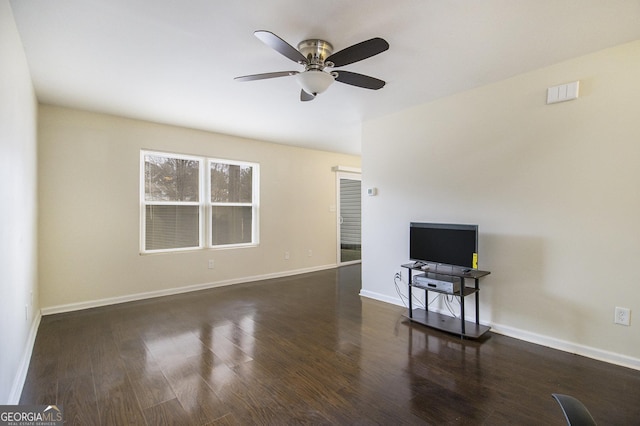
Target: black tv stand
point(459, 326)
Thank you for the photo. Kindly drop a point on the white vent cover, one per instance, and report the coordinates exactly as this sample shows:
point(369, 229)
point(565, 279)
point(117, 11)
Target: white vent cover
point(562, 93)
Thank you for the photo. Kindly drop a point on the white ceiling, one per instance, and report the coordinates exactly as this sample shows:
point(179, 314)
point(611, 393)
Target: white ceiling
point(173, 61)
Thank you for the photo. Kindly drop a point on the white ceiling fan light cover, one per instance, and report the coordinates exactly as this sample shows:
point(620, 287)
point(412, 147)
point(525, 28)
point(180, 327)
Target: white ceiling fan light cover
point(314, 81)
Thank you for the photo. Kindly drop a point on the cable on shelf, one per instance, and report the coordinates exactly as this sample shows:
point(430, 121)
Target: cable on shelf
point(404, 299)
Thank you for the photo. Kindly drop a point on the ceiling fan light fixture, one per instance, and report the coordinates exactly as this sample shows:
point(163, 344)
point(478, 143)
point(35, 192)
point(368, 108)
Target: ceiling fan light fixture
point(314, 82)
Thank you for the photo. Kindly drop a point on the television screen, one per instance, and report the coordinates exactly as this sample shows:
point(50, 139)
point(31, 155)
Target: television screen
point(449, 244)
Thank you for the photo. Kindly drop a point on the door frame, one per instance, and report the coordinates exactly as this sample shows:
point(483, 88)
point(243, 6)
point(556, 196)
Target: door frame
point(352, 174)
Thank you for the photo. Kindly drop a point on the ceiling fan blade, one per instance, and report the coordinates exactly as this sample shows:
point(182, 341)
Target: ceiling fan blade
point(265, 75)
point(304, 96)
point(281, 46)
point(358, 52)
point(359, 80)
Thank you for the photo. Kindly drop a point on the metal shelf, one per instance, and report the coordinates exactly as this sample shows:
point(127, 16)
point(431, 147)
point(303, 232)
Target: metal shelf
point(448, 323)
point(466, 291)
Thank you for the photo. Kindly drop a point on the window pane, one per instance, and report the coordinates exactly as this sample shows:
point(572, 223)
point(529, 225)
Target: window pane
point(231, 183)
point(170, 227)
point(230, 225)
point(170, 179)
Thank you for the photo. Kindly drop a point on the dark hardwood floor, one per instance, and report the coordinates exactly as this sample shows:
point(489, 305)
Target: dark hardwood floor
point(303, 350)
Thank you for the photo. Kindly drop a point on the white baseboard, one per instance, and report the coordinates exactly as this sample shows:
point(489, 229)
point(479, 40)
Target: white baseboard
point(566, 346)
point(538, 339)
point(23, 368)
point(381, 297)
point(171, 291)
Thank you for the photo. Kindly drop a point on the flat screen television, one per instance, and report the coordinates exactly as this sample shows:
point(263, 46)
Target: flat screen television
point(455, 245)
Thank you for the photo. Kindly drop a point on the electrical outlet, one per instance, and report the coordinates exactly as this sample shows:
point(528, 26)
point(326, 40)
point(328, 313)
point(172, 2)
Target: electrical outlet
point(310, 253)
point(286, 255)
point(211, 264)
point(622, 316)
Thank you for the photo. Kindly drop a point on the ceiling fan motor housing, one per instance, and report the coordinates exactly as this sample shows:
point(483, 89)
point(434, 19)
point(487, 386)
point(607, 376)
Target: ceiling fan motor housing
point(316, 51)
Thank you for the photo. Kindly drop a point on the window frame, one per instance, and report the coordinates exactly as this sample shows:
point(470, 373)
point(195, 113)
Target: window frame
point(254, 204)
point(205, 206)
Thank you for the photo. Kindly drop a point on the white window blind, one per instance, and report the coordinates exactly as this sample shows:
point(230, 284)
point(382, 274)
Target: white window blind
point(171, 202)
point(233, 201)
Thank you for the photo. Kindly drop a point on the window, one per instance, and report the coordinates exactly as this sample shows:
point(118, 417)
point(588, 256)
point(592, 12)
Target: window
point(178, 192)
point(232, 207)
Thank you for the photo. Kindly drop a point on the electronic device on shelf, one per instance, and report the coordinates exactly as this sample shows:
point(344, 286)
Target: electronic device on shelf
point(444, 247)
point(439, 282)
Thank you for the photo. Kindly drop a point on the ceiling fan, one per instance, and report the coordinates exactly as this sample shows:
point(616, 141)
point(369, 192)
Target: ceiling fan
point(317, 55)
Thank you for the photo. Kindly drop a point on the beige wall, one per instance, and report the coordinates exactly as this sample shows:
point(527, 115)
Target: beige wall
point(554, 189)
point(89, 210)
point(19, 310)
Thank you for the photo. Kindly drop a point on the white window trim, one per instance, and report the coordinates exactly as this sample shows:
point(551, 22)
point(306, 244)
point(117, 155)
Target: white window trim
point(204, 203)
point(144, 203)
point(255, 198)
